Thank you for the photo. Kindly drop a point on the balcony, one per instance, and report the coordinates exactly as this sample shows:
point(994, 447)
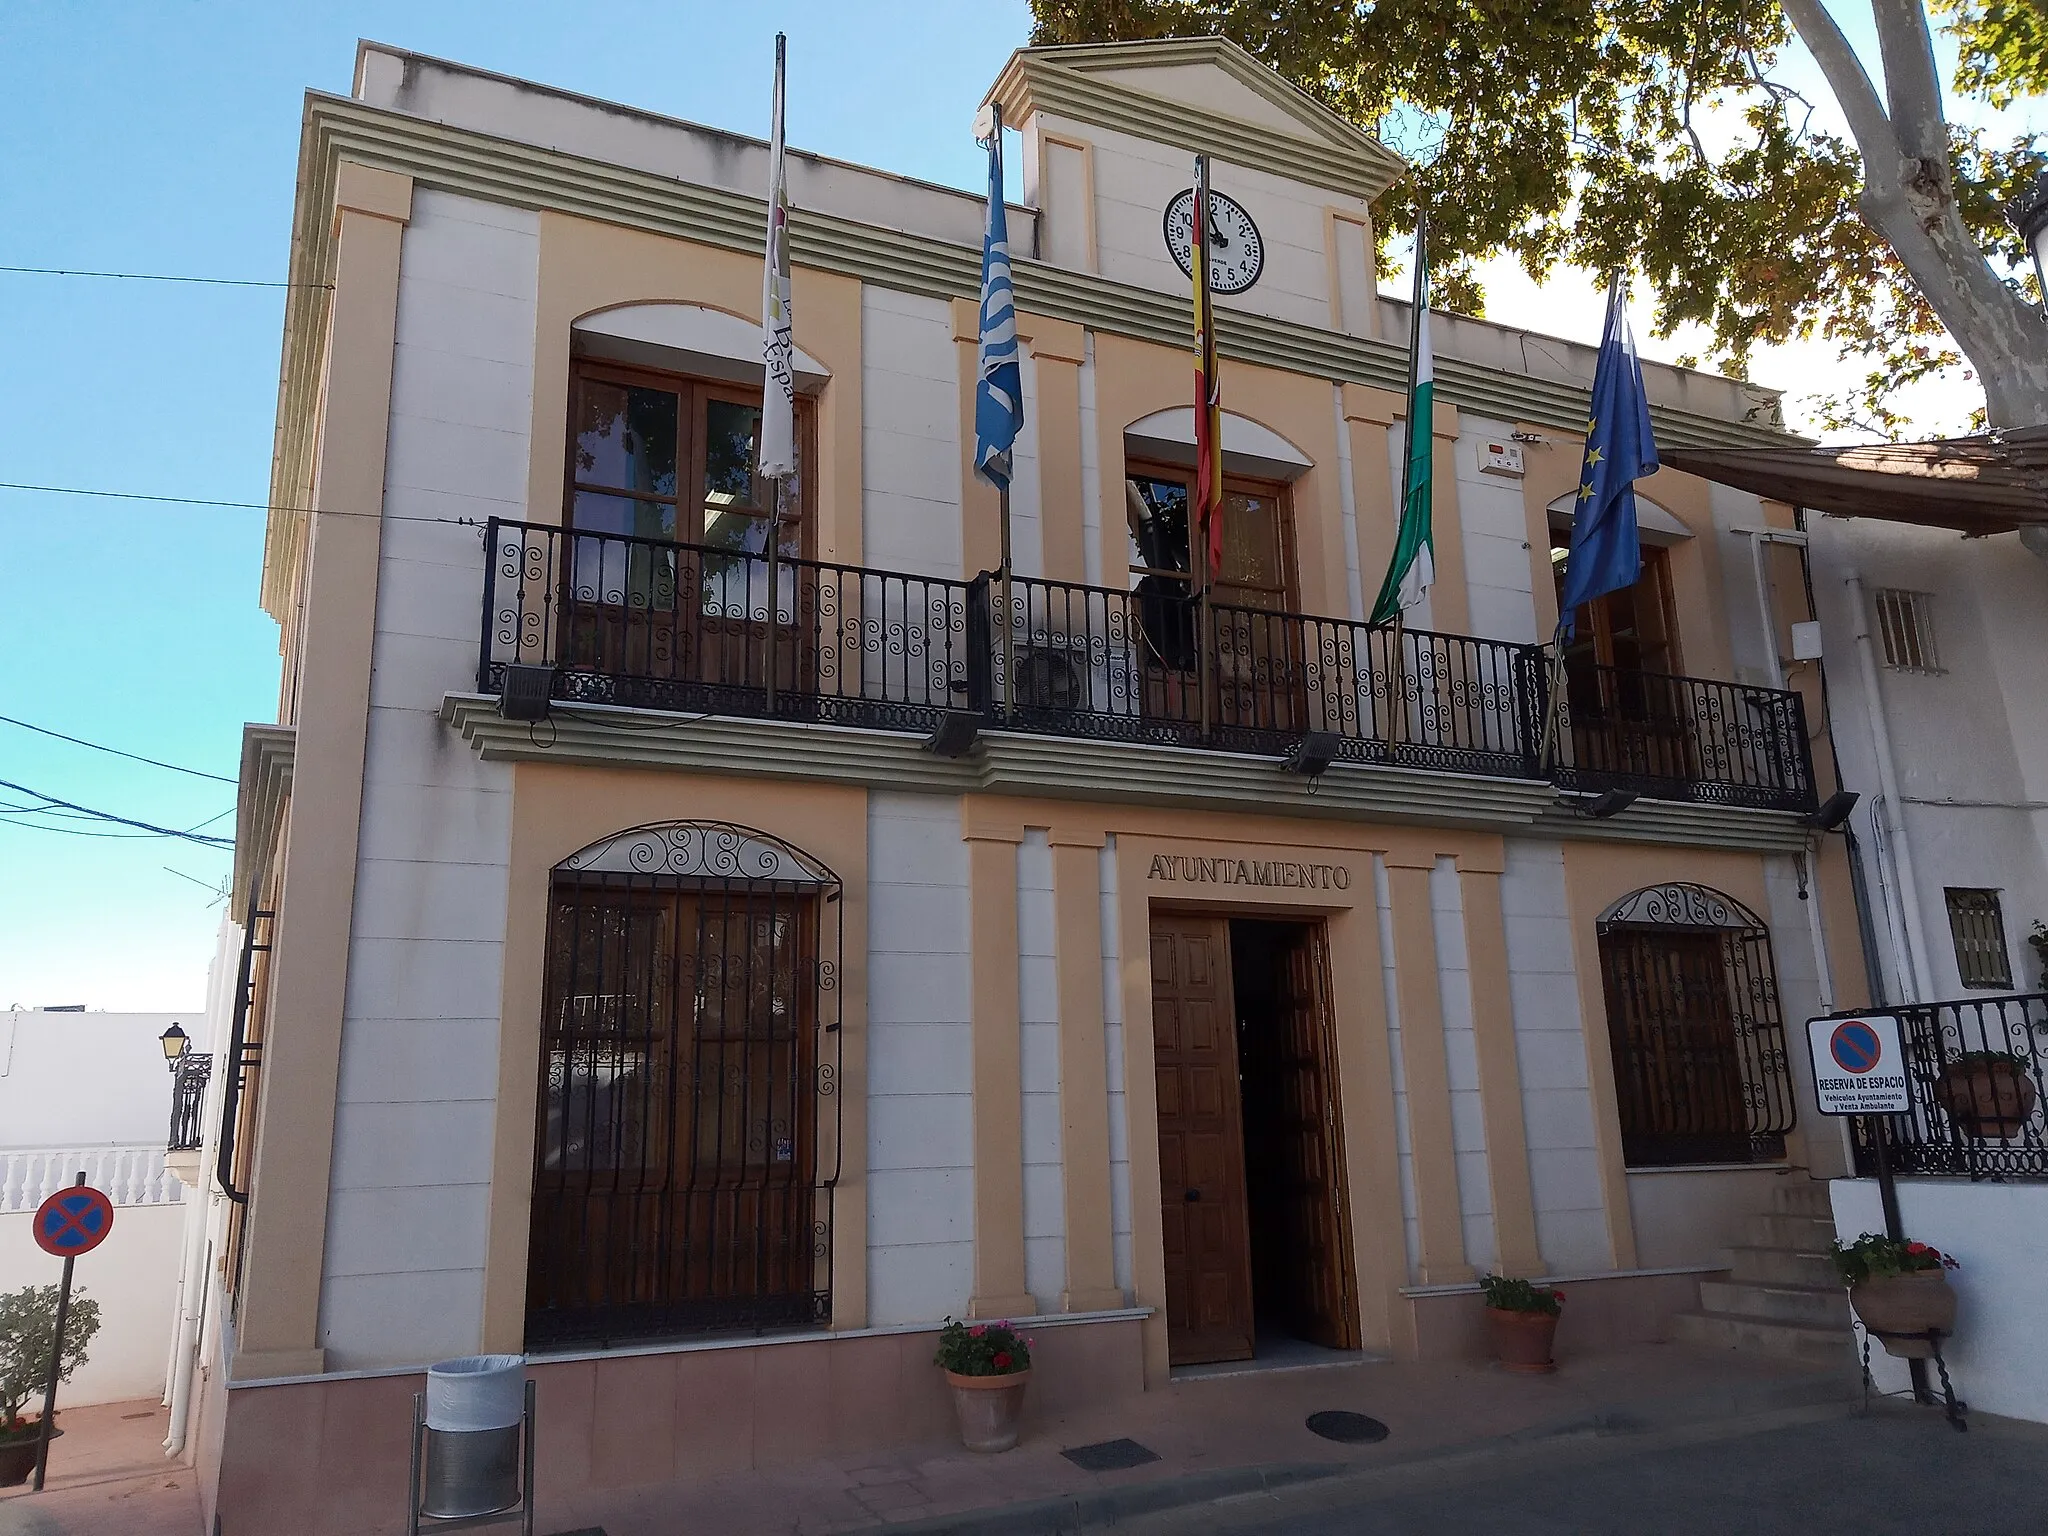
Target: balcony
point(689, 628)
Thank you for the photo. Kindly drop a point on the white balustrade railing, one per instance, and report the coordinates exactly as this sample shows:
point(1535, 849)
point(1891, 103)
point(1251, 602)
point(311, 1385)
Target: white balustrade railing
point(133, 1175)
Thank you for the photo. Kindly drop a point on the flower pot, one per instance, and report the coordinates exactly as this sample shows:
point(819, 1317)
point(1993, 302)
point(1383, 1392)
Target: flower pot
point(1987, 1099)
point(1916, 1302)
point(1522, 1340)
point(18, 1459)
point(988, 1408)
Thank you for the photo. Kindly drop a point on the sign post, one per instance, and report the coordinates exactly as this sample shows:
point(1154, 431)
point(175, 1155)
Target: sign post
point(72, 1221)
point(1859, 1069)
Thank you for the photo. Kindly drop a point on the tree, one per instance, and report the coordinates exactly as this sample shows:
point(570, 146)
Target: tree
point(1662, 136)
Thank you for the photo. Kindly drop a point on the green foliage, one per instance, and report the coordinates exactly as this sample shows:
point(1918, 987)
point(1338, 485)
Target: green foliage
point(1651, 135)
point(982, 1349)
point(2011, 1059)
point(28, 1322)
point(1873, 1256)
point(1521, 1296)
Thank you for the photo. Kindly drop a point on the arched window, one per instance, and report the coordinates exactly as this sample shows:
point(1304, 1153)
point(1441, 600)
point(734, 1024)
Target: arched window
point(688, 1132)
point(1697, 1037)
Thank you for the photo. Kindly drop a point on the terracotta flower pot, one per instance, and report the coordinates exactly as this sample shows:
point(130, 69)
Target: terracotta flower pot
point(1522, 1340)
point(1988, 1099)
point(988, 1408)
point(18, 1459)
point(1908, 1303)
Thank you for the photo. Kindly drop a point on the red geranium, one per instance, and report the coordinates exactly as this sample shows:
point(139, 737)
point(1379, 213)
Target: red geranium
point(1002, 1360)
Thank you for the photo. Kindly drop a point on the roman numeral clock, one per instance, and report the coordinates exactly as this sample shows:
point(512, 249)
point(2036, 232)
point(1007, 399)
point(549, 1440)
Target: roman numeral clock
point(1237, 253)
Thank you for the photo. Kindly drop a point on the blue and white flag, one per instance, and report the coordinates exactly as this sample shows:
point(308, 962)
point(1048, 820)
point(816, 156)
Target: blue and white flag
point(999, 390)
point(1606, 553)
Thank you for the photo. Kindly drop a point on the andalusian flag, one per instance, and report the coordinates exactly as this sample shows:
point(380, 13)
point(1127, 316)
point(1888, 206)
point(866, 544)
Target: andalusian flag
point(1205, 515)
point(1413, 569)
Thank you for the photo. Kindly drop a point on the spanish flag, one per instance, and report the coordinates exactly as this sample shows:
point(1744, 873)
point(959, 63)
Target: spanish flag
point(1206, 511)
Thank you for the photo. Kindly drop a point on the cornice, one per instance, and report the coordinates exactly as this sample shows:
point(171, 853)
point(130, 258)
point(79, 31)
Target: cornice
point(263, 786)
point(1363, 168)
point(459, 160)
point(1047, 767)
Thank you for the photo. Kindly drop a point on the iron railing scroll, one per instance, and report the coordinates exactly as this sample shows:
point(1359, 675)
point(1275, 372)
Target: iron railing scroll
point(1977, 1080)
point(188, 1102)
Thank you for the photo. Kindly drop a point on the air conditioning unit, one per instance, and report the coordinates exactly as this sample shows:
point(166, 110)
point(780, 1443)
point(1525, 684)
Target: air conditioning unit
point(1050, 677)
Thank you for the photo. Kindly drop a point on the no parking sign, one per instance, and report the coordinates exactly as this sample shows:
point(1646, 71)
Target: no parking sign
point(1859, 1065)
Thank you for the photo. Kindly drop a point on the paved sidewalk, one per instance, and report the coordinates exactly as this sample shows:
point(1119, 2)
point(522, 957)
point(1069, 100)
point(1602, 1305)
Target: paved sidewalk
point(1213, 1436)
point(107, 1477)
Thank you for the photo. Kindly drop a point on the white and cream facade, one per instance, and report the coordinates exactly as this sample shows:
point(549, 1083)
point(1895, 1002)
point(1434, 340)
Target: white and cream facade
point(713, 1048)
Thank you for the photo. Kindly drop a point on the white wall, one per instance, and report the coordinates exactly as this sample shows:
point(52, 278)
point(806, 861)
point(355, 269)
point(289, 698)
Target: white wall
point(920, 1062)
point(1461, 1061)
point(1550, 1042)
point(126, 1098)
point(910, 434)
point(1113, 1044)
point(1998, 1233)
point(1688, 1216)
point(1038, 1002)
point(415, 1108)
point(1403, 1135)
point(1495, 538)
point(133, 1276)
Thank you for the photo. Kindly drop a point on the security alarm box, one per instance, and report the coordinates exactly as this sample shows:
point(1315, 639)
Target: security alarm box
point(1500, 458)
point(1806, 641)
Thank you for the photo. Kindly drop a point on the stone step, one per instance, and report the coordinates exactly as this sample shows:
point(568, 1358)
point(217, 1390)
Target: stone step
point(1797, 1195)
point(1718, 1330)
point(1781, 1266)
point(1817, 1306)
point(1802, 1234)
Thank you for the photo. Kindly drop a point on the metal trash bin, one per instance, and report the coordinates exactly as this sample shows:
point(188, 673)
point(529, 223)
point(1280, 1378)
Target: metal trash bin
point(474, 1413)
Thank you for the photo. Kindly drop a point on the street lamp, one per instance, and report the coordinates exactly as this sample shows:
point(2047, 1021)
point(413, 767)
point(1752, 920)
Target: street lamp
point(2029, 215)
point(175, 1043)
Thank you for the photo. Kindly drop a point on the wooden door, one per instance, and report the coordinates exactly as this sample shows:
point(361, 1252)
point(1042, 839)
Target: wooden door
point(1677, 1063)
point(1318, 1294)
point(1201, 1142)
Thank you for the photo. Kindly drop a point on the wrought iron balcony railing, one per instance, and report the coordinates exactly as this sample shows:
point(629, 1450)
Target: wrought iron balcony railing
point(665, 625)
point(188, 1102)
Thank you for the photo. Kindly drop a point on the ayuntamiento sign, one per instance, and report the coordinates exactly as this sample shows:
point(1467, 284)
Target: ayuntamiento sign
point(1859, 1065)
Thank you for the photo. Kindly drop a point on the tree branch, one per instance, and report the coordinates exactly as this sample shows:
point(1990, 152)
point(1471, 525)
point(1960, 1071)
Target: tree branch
point(1854, 93)
point(1912, 85)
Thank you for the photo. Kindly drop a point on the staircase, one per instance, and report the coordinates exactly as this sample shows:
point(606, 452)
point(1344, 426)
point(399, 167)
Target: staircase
point(1781, 1296)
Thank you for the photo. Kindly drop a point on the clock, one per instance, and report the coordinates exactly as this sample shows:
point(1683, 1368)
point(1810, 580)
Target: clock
point(1237, 253)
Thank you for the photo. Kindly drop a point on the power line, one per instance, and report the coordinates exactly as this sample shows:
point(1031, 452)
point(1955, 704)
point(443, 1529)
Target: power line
point(161, 277)
point(210, 501)
point(190, 835)
point(137, 757)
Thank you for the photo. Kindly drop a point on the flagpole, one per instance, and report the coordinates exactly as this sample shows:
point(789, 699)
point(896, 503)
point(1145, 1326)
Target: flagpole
point(1205, 308)
point(778, 456)
point(1003, 516)
point(1397, 673)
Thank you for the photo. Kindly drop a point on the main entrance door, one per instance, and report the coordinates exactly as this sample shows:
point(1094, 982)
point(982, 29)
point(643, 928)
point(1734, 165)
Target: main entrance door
point(1251, 1174)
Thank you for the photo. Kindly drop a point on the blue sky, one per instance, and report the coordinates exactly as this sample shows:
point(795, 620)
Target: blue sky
point(142, 136)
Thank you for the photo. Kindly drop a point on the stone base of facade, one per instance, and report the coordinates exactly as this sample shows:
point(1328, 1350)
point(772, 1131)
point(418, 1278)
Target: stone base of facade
point(1601, 1313)
point(329, 1457)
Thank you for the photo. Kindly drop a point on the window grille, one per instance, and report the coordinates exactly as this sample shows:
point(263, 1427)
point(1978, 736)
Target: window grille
point(1905, 625)
point(1977, 924)
point(688, 1137)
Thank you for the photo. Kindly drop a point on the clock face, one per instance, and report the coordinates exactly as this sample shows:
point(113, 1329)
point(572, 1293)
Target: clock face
point(1236, 253)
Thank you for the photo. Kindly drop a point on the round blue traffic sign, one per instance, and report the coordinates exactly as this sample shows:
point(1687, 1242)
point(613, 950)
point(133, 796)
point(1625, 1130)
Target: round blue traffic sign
point(1855, 1047)
point(74, 1220)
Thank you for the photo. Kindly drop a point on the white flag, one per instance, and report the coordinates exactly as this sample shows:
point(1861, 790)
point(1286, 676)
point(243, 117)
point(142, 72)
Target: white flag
point(778, 339)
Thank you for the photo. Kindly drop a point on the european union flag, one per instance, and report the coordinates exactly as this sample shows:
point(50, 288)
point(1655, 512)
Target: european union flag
point(1606, 554)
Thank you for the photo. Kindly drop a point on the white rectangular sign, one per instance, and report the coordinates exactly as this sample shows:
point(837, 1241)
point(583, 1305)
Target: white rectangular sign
point(1859, 1065)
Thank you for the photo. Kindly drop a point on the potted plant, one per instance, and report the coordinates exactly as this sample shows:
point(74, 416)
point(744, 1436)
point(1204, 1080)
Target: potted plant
point(1899, 1289)
point(1524, 1321)
point(988, 1366)
point(1989, 1094)
point(28, 1323)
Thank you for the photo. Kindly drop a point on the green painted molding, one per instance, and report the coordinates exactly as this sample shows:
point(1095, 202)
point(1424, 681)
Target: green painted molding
point(482, 166)
point(1339, 158)
point(1058, 768)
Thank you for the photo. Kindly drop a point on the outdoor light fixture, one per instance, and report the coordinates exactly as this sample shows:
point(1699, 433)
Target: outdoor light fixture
point(957, 732)
point(1834, 810)
point(2029, 215)
point(1312, 755)
point(526, 692)
point(1613, 803)
point(175, 1043)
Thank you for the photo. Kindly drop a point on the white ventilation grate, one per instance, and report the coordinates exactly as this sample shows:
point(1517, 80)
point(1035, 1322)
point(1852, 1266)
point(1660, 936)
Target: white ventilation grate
point(1905, 625)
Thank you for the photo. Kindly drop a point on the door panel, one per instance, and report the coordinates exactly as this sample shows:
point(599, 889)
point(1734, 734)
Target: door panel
point(1201, 1142)
point(1677, 1063)
point(1321, 1300)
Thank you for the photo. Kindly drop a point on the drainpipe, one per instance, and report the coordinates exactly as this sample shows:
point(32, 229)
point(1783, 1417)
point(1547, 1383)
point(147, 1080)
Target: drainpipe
point(1908, 888)
point(1807, 864)
point(191, 1304)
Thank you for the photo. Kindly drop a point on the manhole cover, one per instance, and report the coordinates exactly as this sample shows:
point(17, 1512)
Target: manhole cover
point(1112, 1455)
point(1350, 1428)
